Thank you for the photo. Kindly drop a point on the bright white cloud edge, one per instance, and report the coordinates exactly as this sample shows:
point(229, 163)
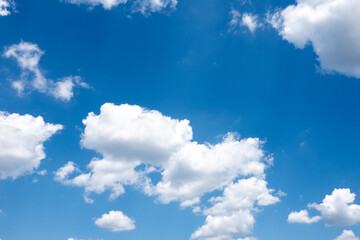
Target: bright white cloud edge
point(330, 26)
point(337, 209)
point(21, 143)
point(115, 221)
point(347, 235)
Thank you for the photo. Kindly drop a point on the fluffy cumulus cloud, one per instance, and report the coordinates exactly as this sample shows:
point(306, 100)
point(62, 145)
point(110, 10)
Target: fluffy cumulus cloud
point(330, 26)
point(302, 217)
point(27, 56)
point(347, 235)
point(143, 6)
point(21, 143)
point(231, 214)
point(336, 209)
point(6, 6)
point(247, 20)
point(115, 221)
point(136, 143)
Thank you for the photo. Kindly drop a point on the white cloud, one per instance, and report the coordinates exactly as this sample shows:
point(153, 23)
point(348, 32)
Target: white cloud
point(28, 56)
point(143, 6)
point(247, 20)
point(330, 26)
point(336, 209)
point(302, 217)
point(135, 142)
point(231, 214)
point(347, 235)
point(115, 221)
point(5, 5)
point(21, 143)
point(250, 21)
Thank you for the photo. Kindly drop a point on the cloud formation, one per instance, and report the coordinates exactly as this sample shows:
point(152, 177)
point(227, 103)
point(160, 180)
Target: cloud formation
point(231, 214)
point(143, 6)
point(21, 143)
point(330, 26)
point(136, 143)
point(247, 20)
point(115, 221)
point(5, 6)
point(302, 217)
point(347, 235)
point(27, 56)
point(336, 209)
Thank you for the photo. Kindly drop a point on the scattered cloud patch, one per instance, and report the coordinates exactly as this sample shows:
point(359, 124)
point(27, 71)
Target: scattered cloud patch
point(27, 56)
point(330, 26)
point(115, 221)
point(135, 142)
point(21, 143)
point(336, 209)
point(231, 214)
point(347, 235)
point(143, 6)
point(6, 6)
point(302, 217)
point(247, 20)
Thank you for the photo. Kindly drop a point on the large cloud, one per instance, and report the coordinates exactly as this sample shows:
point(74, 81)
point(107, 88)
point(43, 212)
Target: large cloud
point(331, 26)
point(347, 235)
point(27, 56)
point(115, 221)
point(21, 143)
point(142, 6)
point(336, 209)
point(136, 143)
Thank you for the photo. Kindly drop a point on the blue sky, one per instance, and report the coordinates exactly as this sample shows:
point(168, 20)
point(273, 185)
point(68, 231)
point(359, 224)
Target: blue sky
point(290, 83)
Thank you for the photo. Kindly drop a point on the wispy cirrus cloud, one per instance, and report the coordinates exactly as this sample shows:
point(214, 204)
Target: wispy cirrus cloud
point(32, 78)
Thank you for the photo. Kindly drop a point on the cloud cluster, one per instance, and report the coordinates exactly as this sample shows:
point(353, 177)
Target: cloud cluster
point(115, 221)
point(27, 56)
point(143, 6)
point(5, 5)
point(21, 143)
point(136, 143)
point(336, 209)
point(247, 20)
point(347, 235)
point(330, 26)
point(231, 213)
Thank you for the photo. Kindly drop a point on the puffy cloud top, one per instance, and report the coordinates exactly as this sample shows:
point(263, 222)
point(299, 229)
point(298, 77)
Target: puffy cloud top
point(21, 143)
point(115, 221)
point(347, 235)
point(331, 26)
point(336, 209)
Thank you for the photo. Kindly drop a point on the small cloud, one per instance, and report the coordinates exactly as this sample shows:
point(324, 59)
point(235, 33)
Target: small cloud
point(247, 20)
point(115, 221)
